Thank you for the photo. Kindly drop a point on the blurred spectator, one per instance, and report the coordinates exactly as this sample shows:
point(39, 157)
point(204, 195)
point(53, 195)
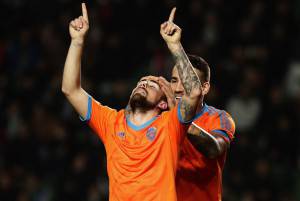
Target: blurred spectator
point(245, 108)
point(293, 80)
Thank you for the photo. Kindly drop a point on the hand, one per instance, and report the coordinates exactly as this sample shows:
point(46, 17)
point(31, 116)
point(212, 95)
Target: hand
point(166, 88)
point(170, 32)
point(79, 26)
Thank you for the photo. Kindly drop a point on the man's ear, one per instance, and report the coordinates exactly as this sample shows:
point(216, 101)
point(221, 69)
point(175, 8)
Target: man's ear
point(162, 105)
point(205, 88)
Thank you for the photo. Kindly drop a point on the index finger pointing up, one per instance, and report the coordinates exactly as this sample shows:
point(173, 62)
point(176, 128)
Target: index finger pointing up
point(172, 15)
point(84, 12)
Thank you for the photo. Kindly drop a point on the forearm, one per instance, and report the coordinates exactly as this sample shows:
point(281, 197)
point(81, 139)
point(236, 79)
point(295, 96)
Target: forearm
point(205, 145)
point(209, 144)
point(190, 81)
point(72, 69)
point(187, 74)
point(188, 108)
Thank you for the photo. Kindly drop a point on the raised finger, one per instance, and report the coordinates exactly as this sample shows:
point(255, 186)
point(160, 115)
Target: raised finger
point(172, 15)
point(84, 12)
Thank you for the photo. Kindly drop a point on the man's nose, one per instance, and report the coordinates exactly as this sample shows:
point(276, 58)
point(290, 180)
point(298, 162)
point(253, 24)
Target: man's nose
point(144, 84)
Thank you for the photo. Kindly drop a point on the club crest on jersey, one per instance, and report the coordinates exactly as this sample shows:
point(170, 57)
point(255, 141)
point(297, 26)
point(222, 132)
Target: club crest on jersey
point(151, 133)
point(121, 134)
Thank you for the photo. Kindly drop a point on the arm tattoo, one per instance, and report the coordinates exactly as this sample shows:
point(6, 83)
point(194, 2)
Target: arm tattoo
point(187, 74)
point(186, 109)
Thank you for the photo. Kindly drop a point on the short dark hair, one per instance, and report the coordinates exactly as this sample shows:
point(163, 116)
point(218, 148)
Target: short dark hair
point(200, 64)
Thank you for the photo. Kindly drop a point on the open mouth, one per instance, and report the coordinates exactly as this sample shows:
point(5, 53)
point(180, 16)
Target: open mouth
point(178, 97)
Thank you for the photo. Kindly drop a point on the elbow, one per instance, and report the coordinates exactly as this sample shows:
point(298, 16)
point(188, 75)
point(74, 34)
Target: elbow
point(65, 90)
point(70, 90)
point(217, 150)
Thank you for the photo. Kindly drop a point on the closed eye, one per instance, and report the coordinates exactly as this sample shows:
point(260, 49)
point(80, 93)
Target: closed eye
point(173, 80)
point(152, 84)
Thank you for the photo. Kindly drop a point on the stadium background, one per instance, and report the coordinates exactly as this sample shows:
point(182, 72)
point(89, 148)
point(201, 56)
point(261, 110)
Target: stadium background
point(252, 46)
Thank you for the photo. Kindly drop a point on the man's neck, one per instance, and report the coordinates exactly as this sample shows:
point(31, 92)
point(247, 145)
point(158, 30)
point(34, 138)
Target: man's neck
point(139, 117)
point(200, 106)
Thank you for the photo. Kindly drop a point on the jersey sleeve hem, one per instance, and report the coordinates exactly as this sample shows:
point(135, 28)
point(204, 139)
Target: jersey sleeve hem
point(223, 134)
point(89, 111)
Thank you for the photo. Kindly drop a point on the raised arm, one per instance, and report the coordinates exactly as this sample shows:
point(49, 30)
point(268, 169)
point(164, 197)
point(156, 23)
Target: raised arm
point(71, 84)
point(171, 33)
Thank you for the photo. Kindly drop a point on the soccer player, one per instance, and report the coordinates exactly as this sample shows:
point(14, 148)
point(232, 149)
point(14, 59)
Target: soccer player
point(142, 145)
point(203, 153)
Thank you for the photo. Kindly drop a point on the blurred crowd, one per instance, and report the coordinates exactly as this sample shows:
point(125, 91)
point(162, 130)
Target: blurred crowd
point(48, 154)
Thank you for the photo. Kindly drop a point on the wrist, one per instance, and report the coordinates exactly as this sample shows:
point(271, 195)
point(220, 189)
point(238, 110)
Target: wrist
point(174, 47)
point(77, 42)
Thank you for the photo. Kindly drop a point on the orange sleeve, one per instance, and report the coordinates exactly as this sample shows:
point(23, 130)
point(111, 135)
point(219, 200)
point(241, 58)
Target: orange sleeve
point(223, 124)
point(99, 117)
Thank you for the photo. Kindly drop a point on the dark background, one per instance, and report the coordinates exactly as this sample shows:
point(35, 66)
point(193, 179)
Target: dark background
point(252, 46)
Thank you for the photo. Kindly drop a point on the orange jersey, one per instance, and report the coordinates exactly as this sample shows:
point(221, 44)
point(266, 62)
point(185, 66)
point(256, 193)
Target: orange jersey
point(141, 160)
point(198, 177)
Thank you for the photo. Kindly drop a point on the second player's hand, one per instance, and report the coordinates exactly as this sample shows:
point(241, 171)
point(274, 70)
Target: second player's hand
point(166, 88)
point(79, 26)
point(170, 32)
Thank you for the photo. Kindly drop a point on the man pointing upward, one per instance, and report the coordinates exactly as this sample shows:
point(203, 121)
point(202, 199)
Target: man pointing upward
point(142, 145)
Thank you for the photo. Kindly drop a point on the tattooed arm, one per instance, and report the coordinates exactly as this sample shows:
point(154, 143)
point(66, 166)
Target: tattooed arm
point(191, 84)
point(171, 33)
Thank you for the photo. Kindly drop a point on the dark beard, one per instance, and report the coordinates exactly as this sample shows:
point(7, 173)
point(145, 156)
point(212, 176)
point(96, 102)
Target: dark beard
point(140, 102)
